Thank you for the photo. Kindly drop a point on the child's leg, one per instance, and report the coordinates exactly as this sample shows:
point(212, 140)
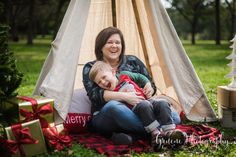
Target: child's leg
point(163, 114)
point(144, 110)
point(170, 136)
point(158, 115)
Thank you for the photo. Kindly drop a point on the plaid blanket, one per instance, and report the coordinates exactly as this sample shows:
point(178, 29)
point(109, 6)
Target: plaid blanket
point(200, 134)
point(105, 146)
point(196, 134)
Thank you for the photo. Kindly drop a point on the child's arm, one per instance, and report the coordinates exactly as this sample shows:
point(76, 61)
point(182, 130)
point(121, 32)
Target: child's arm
point(140, 79)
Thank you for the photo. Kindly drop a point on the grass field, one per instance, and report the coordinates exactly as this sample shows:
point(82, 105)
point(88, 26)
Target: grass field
point(209, 62)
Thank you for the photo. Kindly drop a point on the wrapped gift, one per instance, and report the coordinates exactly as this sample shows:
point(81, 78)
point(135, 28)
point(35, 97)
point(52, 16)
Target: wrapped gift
point(26, 139)
point(57, 137)
point(36, 107)
point(227, 116)
point(226, 97)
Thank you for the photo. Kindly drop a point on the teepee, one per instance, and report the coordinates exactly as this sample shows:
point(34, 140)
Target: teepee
point(149, 35)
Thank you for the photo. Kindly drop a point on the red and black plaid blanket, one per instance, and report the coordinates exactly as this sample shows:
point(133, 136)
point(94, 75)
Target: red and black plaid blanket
point(196, 134)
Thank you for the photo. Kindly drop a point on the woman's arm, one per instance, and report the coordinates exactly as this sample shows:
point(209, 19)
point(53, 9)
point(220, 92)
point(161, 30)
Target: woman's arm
point(139, 67)
point(129, 97)
point(94, 92)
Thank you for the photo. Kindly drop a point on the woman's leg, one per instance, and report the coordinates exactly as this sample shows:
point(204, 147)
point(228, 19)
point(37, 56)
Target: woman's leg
point(175, 116)
point(117, 117)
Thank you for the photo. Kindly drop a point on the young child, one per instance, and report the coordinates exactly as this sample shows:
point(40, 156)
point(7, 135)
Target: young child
point(154, 114)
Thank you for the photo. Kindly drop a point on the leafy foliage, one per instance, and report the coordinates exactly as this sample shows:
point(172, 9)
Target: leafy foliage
point(10, 77)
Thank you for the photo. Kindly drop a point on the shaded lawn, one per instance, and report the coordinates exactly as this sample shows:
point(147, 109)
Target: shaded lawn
point(209, 62)
point(30, 60)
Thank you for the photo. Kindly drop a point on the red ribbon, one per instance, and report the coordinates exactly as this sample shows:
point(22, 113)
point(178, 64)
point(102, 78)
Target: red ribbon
point(57, 140)
point(23, 136)
point(37, 113)
point(8, 146)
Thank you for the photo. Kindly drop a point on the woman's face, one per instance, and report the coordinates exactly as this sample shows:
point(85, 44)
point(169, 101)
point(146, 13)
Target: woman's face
point(112, 49)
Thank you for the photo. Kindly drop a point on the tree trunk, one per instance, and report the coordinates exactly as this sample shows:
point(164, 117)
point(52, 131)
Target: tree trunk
point(11, 19)
point(193, 35)
point(30, 23)
point(193, 31)
point(217, 18)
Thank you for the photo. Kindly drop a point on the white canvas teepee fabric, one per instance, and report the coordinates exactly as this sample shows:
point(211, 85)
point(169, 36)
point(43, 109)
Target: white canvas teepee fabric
point(149, 35)
point(58, 73)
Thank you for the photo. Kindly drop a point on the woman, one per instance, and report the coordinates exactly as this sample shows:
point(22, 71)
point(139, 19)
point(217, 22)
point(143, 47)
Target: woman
point(109, 113)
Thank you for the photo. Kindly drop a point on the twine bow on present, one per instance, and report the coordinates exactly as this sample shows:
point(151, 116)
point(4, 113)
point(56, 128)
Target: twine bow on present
point(36, 113)
point(23, 136)
point(57, 140)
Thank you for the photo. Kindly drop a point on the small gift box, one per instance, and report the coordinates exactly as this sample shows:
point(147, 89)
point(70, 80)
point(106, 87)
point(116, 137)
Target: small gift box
point(31, 108)
point(226, 97)
point(26, 139)
point(57, 137)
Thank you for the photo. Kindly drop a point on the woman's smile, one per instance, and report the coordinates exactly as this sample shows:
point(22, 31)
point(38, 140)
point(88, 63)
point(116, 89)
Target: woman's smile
point(112, 49)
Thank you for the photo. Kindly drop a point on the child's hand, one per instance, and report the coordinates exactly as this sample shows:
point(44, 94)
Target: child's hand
point(148, 90)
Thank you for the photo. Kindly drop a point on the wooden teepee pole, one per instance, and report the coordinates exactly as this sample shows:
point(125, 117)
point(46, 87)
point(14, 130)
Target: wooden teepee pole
point(113, 10)
point(141, 34)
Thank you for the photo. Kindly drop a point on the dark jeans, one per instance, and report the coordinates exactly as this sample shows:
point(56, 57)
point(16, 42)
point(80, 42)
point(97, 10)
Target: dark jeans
point(117, 117)
point(155, 114)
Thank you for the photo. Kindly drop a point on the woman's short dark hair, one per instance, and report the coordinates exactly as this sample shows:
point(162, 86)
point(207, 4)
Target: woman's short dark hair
point(102, 38)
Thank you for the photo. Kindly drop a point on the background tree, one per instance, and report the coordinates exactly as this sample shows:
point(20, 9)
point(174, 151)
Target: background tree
point(57, 16)
point(31, 16)
point(10, 77)
point(217, 16)
point(191, 11)
point(193, 19)
point(28, 18)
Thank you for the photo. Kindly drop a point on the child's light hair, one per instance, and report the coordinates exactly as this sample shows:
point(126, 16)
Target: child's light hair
point(98, 67)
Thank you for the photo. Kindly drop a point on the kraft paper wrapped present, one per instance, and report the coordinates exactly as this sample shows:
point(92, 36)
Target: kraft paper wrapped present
point(226, 97)
point(57, 137)
point(227, 117)
point(30, 108)
point(27, 139)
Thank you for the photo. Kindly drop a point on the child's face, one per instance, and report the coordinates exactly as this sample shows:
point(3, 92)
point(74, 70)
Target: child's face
point(106, 80)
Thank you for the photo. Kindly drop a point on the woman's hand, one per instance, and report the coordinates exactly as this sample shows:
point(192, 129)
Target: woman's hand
point(148, 90)
point(128, 97)
point(132, 98)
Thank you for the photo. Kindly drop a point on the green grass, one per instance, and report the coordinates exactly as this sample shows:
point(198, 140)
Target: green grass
point(30, 59)
point(209, 62)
